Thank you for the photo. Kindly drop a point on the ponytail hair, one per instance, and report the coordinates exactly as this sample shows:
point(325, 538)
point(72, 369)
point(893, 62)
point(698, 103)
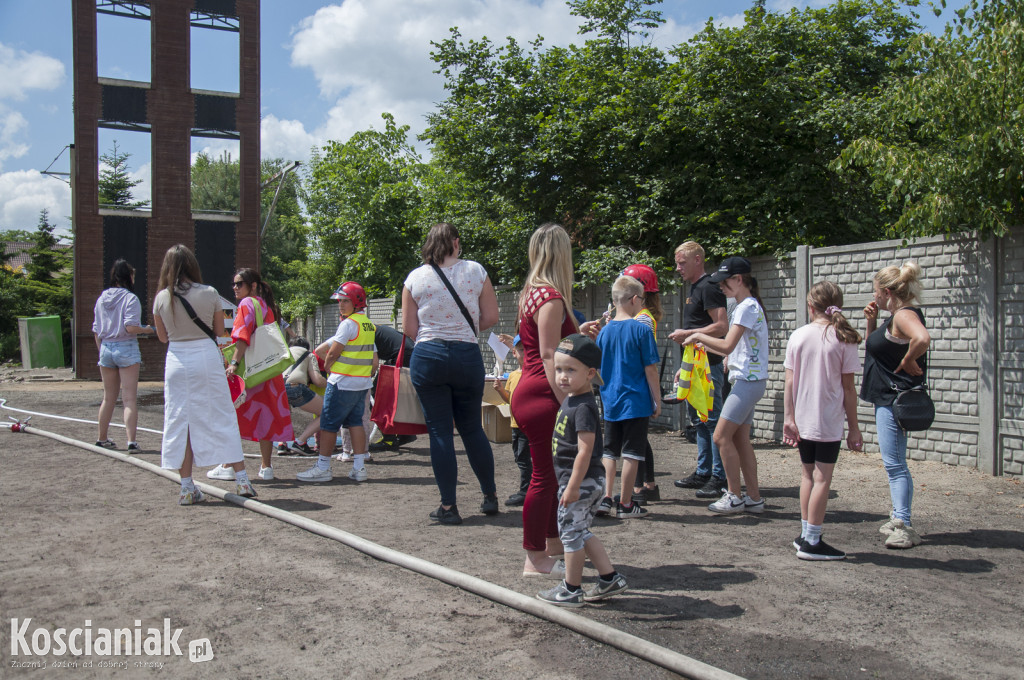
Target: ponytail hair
point(260, 288)
point(826, 298)
point(903, 282)
point(750, 281)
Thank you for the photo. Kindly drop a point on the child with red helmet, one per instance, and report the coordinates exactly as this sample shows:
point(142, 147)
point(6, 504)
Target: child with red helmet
point(351, 359)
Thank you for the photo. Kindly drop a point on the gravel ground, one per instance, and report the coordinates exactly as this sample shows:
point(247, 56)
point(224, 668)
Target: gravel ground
point(86, 537)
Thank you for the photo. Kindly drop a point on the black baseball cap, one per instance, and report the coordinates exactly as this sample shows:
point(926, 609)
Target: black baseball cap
point(731, 266)
point(584, 350)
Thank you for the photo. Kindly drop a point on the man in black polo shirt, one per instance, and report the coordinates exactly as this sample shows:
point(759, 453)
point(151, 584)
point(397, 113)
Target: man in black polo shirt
point(703, 312)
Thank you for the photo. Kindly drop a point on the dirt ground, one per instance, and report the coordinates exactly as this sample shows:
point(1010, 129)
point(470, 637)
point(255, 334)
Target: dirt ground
point(85, 537)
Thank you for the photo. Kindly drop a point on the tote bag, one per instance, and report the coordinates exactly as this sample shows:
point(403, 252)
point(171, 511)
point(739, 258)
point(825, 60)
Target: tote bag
point(396, 408)
point(267, 356)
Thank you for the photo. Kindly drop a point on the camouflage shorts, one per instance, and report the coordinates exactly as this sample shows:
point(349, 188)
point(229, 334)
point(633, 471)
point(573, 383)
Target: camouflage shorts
point(575, 519)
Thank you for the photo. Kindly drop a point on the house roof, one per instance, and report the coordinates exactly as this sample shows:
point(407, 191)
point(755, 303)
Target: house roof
point(20, 249)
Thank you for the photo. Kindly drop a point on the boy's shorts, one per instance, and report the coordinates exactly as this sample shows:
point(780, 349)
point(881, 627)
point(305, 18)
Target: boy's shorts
point(342, 408)
point(575, 519)
point(627, 438)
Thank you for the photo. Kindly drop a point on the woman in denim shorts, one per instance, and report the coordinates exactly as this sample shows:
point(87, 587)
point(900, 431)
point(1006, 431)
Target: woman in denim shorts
point(117, 320)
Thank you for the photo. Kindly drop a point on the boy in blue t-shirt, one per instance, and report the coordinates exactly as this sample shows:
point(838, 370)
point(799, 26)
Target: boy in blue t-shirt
point(631, 394)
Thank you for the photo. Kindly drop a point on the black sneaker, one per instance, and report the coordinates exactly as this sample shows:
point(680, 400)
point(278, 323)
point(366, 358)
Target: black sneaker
point(690, 434)
point(133, 447)
point(449, 516)
point(652, 493)
point(713, 488)
point(634, 510)
point(302, 449)
point(490, 505)
point(282, 449)
point(605, 507)
point(819, 551)
point(798, 541)
point(516, 499)
point(694, 481)
point(107, 444)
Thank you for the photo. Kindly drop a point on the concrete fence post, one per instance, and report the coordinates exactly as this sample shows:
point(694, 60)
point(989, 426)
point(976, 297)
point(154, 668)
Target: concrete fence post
point(988, 358)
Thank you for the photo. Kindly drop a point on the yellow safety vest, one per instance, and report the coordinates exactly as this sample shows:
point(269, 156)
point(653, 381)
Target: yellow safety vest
point(695, 384)
point(357, 358)
point(647, 313)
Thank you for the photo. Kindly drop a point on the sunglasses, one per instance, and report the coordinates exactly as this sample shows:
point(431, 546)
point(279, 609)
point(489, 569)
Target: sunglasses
point(237, 284)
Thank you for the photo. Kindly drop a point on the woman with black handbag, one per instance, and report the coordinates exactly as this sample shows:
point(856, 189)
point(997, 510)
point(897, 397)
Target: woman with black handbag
point(895, 360)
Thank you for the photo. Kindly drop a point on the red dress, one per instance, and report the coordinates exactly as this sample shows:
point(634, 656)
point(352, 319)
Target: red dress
point(265, 415)
point(534, 407)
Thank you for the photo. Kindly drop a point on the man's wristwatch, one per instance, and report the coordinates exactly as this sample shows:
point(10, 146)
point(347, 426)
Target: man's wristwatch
point(233, 362)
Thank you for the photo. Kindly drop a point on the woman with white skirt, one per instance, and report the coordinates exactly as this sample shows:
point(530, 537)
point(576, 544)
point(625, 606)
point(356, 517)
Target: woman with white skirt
point(199, 420)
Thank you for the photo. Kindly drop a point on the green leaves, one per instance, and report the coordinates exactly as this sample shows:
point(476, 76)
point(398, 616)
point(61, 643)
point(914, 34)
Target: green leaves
point(948, 154)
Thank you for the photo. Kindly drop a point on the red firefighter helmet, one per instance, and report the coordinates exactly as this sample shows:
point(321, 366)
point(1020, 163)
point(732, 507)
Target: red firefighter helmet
point(643, 274)
point(350, 290)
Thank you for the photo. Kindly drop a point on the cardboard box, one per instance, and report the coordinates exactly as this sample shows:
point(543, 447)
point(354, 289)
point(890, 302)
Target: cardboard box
point(497, 422)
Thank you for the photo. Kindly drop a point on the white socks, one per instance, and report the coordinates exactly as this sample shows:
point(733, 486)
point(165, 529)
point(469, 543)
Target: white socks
point(323, 462)
point(241, 476)
point(188, 484)
point(803, 528)
point(813, 534)
point(357, 461)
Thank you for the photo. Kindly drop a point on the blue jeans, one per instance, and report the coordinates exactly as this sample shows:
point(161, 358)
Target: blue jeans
point(449, 380)
point(709, 462)
point(892, 441)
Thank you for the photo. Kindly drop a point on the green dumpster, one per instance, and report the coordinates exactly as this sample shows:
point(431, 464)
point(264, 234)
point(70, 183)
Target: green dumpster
point(42, 345)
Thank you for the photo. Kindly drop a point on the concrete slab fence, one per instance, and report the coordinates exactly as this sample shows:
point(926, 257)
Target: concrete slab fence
point(973, 304)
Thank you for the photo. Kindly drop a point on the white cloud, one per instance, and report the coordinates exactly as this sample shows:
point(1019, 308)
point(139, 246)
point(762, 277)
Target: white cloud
point(12, 128)
point(287, 139)
point(23, 193)
point(21, 71)
point(372, 56)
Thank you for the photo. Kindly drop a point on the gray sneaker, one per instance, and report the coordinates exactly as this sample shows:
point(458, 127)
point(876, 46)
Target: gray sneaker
point(315, 474)
point(561, 595)
point(887, 528)
point(605, 589)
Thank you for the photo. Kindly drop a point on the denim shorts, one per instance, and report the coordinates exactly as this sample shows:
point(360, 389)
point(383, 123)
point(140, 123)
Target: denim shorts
point(342, 408)
point(298, 395)
point(120, 354)
point(743, 397)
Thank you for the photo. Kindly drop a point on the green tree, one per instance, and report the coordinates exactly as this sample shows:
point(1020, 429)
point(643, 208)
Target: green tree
point(283, 246)
point(215, 183)
point(115, 182)
point(363, 199)
point(948, 153)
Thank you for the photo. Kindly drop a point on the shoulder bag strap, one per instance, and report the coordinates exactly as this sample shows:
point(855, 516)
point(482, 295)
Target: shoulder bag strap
point(458, 300)
point(297, 362)
point(192, 315)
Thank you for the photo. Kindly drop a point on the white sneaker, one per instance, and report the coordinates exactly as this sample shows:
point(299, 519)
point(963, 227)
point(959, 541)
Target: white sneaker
point(728, 504)
point(315, 474)
point(357, 475)
point(266, 474)
point(750, 506)
point(344, 457)
point(222, 472)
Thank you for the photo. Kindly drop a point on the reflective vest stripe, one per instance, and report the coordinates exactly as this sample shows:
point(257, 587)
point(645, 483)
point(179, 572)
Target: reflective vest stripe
point(356, 358)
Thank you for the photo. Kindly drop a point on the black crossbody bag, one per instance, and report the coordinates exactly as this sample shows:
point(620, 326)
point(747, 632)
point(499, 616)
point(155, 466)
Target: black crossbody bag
point(913, 408)
point(458, 300)
point(199, 322)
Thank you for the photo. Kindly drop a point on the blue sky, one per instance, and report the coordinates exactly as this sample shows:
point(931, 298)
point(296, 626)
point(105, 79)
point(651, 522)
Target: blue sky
point(328, 70)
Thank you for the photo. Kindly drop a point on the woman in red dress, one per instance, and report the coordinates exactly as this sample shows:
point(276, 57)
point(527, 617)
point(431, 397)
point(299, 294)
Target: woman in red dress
point(545, 317)
point(265, 417)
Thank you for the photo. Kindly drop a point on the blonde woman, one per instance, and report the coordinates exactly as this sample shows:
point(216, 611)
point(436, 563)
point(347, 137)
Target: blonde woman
point(544, 319)
point(895, 355)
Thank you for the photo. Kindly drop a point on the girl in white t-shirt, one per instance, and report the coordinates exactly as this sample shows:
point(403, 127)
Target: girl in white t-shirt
point(746, 345)
point(821, 360)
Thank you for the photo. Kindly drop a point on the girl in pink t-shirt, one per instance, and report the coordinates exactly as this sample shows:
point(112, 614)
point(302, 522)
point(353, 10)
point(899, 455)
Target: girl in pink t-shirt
point(821, 360)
